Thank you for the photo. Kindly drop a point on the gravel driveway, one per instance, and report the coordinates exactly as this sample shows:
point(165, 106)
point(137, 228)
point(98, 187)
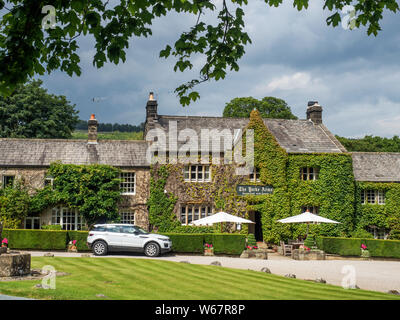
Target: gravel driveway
point(370, 275)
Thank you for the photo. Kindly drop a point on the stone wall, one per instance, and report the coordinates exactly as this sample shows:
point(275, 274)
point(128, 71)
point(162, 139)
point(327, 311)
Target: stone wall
point(33, 178)
point(138, 202)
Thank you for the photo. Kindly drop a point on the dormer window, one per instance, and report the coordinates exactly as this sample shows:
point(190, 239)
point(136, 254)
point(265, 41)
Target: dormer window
point(309, 173)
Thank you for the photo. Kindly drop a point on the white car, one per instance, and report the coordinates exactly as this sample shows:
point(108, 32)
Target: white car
point(104, 238)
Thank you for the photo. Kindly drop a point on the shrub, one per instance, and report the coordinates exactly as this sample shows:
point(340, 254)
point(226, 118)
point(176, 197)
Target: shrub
point(310, 241)
point(361, 234)
point(251, 240)
point(194, 243)
point(52, 227)
point(36, 239)
point(352, 246)
point(229, 243)
point(186, 242)
point(341, 246)
point(192, 229)
point(80, 237)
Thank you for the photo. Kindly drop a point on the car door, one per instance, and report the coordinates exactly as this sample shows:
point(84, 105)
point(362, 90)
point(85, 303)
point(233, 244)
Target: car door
point(131, 239)
point(113, 236)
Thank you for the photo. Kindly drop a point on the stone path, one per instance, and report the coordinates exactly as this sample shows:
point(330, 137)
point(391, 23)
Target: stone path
point(370, 275)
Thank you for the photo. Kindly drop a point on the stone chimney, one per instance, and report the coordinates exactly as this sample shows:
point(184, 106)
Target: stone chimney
point(151, 113)
point(314, 112)
point(151, 108)
point(92, 130)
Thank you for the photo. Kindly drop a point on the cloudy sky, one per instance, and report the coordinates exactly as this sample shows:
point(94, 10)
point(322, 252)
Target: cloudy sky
point(294, 56)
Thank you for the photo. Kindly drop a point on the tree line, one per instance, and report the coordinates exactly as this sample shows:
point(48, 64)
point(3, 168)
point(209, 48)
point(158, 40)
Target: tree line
point(371, 144)
point(109, 127)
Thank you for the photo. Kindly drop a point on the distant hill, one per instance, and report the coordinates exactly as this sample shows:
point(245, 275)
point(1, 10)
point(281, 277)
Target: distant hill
point(116, 135)
point(371, 144)
point(109, 127)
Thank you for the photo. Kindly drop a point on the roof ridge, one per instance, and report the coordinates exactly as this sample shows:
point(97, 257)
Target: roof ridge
point(375, 152)
point(225, 118)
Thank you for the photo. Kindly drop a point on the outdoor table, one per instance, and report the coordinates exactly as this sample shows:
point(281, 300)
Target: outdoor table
point(296, 245)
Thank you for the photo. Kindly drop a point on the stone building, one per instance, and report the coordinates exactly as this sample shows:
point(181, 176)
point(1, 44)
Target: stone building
point(317, 174)
point(298, 165)
point(29, 159)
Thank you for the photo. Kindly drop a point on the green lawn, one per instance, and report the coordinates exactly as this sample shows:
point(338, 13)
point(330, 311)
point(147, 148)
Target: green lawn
point(126, 278)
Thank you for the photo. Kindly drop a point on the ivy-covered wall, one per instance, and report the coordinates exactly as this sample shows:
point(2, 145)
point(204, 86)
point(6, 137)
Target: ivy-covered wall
point(380, 215)
point(335, 191)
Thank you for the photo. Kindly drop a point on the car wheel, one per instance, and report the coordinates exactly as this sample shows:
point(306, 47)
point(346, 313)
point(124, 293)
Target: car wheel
point(99, 248)
point(152, 249)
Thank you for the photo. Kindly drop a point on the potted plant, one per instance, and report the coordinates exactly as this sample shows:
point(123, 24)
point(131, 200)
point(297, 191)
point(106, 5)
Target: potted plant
point(72, 246)
point(364, 251)
point(208, 249)
point(4, 243)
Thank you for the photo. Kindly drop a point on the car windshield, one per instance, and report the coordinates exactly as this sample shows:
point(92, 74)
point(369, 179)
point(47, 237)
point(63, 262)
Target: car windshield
point(140, 230)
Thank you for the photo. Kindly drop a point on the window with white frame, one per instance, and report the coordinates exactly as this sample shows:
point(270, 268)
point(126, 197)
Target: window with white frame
point(197, 173)
point(378, 233)
point(309, 173)
point(128, 182)
point(192, 212)
point(312, 209)
point(67, 218)
point(255, 175)
point(372, 196)
point(48, 181)
point(7, 180)
point(32, 223)
point(127, 217)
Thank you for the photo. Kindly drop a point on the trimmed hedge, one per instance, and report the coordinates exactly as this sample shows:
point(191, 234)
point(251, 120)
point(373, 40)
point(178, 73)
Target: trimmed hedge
point(194, 243)
point(181, 242)
point(228, 243)
point(186, 242)
point(80, 237)
point(44, 239)
point(352, 246)
point(36, 239)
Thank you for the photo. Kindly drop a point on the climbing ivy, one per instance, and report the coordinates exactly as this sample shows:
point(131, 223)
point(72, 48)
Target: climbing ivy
point(382, 216)
point(161, 204)
point(14, 205)
point(92, 189)
point(335, 192)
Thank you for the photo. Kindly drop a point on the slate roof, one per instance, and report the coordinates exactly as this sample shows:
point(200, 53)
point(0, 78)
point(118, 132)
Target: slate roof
point(42, 152)
point(376, 166)
point(295, 136)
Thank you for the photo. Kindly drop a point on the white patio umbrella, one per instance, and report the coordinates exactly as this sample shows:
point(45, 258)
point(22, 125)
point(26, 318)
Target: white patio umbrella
point(307, 217)
point(219, 217)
